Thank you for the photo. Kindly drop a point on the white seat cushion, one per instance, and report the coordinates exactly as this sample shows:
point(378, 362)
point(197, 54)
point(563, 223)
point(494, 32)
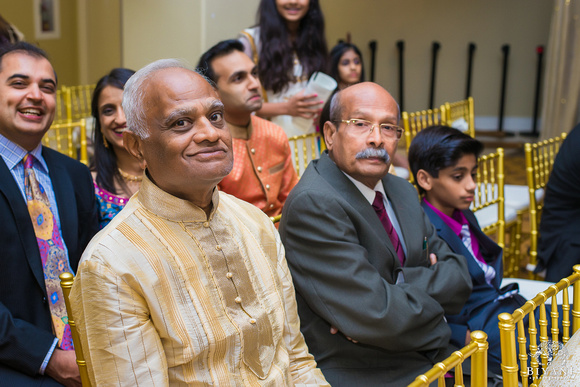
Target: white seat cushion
point(488, 215)
point(517, 196)
point(402, 172)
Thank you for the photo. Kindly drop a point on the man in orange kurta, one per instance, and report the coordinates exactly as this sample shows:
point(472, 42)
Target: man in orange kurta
point(263, 172)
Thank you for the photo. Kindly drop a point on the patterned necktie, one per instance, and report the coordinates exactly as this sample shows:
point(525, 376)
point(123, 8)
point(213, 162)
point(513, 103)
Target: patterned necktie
point(488, 271)
point(54, 258)
point(379, 207)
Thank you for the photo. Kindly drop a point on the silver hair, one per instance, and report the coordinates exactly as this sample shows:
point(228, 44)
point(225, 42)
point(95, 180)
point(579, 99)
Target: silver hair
point(134, 93)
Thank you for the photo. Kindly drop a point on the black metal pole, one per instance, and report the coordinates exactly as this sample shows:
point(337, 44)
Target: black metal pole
point(540, 52)
point(506, 52)
point(434, 49)
point(373, 47)
point(401, 49)
point(470, 51)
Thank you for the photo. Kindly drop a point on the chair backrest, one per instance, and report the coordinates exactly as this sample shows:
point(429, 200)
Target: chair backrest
point(477, 349)
point(540, 158)
point(508, 323)
point(489, 193)
point(460, 110)
point(62, 111)
point(415, 122)
point(66, 283)
point(69, 138)
point(306, 147)
point(80, 99)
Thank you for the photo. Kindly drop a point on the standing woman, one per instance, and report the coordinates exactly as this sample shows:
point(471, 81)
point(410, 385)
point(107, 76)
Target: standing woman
point(117, 174)
point(288, 45)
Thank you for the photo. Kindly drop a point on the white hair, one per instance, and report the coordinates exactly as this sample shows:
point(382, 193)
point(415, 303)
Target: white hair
point(134, 93)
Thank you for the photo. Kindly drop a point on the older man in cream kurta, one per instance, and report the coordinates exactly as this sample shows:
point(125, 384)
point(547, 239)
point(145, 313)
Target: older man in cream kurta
point(187, 285)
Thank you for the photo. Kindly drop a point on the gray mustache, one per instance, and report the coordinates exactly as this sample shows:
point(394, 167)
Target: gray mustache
point(372, 153)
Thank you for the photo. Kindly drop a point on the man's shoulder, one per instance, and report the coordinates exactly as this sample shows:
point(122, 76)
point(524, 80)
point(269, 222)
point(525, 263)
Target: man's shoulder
point(241, 208)
point(53, 157)
point(265, 128)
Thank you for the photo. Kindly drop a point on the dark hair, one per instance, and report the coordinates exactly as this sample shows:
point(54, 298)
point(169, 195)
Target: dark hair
point(275, 57)
point(105, 160)
point(7, 33)
point(25, 48)
point(337, 52)
point(438, 147)
point(224, 47)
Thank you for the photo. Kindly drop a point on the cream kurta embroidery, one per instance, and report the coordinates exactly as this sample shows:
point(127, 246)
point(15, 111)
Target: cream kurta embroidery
point(166, 296)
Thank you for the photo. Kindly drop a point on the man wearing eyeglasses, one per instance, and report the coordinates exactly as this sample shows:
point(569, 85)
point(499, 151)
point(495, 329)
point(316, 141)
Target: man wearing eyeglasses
point(373, 280)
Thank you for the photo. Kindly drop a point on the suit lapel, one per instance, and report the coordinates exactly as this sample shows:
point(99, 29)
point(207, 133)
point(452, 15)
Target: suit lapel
point(455, 243)
point(328, 170)
point(487, 247)
point(10, 190)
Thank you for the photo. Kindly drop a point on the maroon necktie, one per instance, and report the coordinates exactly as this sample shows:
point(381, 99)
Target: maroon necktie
point(379, 207)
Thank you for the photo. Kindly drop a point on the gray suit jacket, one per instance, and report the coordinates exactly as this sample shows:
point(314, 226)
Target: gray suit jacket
point(345, 271)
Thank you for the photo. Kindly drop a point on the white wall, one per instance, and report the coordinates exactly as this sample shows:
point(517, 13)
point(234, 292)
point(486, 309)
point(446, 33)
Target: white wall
point(155, 29)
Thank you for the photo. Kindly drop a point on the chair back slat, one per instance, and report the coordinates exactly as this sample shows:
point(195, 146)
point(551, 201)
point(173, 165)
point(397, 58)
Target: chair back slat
point(66, 283)
point(305, 147)
point(458, 110)
point(69, 138)
point(490, 182)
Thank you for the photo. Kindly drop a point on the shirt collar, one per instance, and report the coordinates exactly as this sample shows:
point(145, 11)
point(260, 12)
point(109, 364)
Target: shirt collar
point(455, 222)
point(170, 207)
point(368, 193)
point(13, 153)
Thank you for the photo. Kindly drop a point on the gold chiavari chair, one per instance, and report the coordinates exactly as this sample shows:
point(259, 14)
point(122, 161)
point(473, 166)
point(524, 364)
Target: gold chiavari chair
point(460, 110)
point(415, 122)
point(538, 348)
point(540, 158)
point(69, 138)
point(488, 205)
point(477, 349)
point(306, 147)
point(80, 97)
point(62, 111)
point(66, 283)
point(276, 219)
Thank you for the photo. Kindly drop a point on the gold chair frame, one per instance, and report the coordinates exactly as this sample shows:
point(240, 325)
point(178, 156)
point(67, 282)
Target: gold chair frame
point(66, 283)
point(507, 327)
point(477, 349)
point(80, 101)
point(65, 143)
point(310, 145)
point(490, 180)
point(540, 159)
point(276, 219)
point(460, 109)
point(415, 122)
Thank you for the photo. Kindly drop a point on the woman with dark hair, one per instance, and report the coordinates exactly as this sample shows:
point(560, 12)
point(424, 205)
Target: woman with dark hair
point(288, 45)
point(117, 174)
point(346, 67)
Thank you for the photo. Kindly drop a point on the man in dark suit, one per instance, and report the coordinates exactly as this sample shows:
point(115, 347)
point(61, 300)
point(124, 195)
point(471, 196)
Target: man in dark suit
point(371, 297)
point(29, 354)
point(559, 247)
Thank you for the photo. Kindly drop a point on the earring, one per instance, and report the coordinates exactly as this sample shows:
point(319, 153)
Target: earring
point(105, 141)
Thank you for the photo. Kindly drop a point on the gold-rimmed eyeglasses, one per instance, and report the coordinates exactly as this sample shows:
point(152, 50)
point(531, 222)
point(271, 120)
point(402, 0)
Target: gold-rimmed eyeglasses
point(363, 127)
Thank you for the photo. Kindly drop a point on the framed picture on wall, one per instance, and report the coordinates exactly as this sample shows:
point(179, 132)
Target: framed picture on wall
point(47, 19)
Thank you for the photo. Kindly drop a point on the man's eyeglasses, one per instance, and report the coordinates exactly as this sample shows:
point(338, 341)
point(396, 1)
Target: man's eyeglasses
point(363, 127)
